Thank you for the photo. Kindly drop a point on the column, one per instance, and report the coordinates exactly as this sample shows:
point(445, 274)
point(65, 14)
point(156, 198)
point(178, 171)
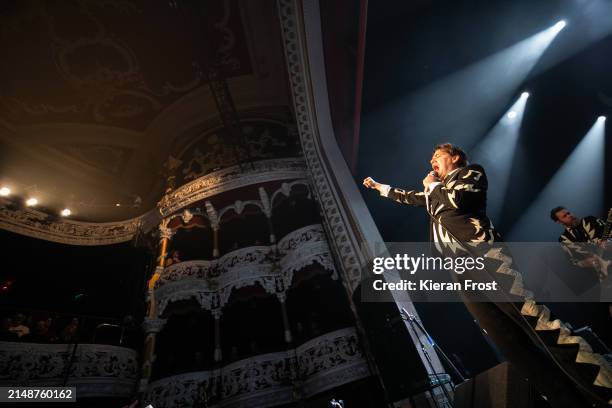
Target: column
point(267, 209)
point(282, 297)
point(215, 241)
point(213, 217)
point(151, 327)
point(151, 320)
point(218, 356)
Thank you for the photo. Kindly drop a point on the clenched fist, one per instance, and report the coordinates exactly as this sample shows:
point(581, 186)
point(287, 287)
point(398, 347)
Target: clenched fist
point(370, 183)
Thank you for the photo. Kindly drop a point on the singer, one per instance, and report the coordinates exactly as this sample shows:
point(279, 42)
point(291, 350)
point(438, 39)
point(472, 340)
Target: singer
point(455, 195)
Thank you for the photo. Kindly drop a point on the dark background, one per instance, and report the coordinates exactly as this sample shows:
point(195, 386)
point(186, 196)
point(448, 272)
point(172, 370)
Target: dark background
point(414, 45)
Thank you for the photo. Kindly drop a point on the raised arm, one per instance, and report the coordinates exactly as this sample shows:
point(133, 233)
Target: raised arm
point(412, 197)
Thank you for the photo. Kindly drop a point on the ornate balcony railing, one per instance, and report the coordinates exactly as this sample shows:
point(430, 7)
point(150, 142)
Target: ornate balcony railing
point(211, 282)
point(96, 371)
point(270, 379)
point(37, 224)
point(230, 178)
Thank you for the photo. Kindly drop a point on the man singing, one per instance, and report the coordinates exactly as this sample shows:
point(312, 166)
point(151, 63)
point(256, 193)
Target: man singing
point(455, 196)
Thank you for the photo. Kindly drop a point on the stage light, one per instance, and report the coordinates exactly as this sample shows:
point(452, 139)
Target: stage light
point(5, 191)
point(485, 87)
point(118, 205)
point(66, 212)
point(511, 115)
point(560, 25)
point(31, 202)
point(601, 118)
point(525, 95)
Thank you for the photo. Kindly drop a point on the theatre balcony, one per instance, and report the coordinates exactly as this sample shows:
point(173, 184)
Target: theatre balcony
point(322, 363)
point(96, 370)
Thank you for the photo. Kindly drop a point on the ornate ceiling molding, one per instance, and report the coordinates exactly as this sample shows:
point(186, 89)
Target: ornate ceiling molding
point(36, 224)
point(346, 217)
point(352, 233)
point(101, 71)
point(229, 179)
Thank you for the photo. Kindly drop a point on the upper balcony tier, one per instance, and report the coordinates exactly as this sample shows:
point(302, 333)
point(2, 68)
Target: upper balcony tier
point(211, 282)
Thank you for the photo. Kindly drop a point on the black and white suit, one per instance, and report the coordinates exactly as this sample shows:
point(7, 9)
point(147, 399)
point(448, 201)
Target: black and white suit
point(457, 204)
point(589, 230)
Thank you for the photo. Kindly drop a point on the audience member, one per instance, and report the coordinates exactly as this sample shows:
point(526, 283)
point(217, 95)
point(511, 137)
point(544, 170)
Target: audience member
point(5, 333)
point(174, 258)
point(68, 334)
point(40, 333)
point(17, 325)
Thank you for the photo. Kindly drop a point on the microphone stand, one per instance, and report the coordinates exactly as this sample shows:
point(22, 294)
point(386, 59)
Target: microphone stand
point(415, 323)
point(520, 319)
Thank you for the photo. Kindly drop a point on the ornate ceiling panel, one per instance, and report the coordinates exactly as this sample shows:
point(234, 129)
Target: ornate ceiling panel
point(111, 159)
point(96, 95)
point(113, 62)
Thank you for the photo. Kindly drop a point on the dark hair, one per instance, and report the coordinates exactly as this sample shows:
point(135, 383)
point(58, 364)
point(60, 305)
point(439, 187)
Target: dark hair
point(453, 151)
point(554, 211)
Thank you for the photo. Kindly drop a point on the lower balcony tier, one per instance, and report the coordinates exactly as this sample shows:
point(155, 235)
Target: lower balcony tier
point(95, 370)
point(267, 380)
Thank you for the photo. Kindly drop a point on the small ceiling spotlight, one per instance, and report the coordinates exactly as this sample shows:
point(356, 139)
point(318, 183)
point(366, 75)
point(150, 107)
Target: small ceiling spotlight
point(511, 115)
point(31, 202)
point(525, 95)
point(118, 205)
point(601, 118)
point(66, 212)
point(5, 191)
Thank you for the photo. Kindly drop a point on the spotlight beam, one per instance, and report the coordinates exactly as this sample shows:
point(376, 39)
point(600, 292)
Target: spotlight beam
point(577, 185)
point(496, 152)
point(484, 89)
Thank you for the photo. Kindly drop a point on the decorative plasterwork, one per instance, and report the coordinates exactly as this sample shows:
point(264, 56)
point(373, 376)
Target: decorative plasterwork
point(264, 204)
point(231, 178)
point(221, 147)
point(318, 140)
point(96, 371)
point(211, 282)
point(102, 69)
point(352, 234)
point(325, 362)
point(36, 224)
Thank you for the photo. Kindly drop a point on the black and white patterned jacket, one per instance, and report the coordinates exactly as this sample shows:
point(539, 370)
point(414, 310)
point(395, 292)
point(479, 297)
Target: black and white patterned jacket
point(458, 205)
point(589, 230)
